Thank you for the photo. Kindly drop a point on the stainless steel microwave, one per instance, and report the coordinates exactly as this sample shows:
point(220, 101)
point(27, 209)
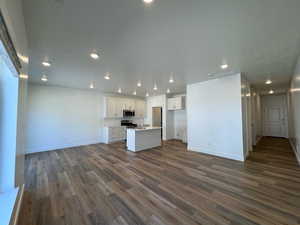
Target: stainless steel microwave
point(128, 113)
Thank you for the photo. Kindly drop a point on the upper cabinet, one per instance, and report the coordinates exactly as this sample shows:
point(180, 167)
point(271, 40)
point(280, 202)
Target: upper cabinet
point(176, 103)
point(114, 106)
point(128, 103)
point(140, 108)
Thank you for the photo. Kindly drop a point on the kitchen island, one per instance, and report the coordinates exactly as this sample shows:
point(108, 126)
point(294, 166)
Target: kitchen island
point(139, 139)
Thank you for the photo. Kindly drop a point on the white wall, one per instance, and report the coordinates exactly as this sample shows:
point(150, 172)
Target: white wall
point(214, 117)
point(295, 109)
point(62, 117)
point(247, 115)
point(170, 125)
point(180, 125)
point(258, 115)
point(180, 122)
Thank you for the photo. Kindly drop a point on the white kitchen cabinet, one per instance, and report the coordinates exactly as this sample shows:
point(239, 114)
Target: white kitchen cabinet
point(113, 107)
point(140, 108)
point(176, 103)
point(113, 134)
point(129, 104)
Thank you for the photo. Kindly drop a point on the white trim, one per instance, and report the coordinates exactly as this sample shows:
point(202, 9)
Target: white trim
point(258, 139)
point(295, 151)
point(18, 205)
point(218, 154)
point(61, 146)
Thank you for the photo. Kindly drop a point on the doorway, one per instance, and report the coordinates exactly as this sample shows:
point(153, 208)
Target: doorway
point(275, 116)
point(157, 118)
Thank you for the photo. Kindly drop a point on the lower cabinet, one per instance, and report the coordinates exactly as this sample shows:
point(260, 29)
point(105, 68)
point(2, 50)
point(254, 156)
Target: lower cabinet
point(113, 134)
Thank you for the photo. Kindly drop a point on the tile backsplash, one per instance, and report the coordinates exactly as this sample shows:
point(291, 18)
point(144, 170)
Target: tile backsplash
point(113, 122)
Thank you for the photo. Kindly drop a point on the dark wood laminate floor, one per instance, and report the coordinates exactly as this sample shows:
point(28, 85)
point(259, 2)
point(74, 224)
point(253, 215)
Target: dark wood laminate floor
point(103, 184)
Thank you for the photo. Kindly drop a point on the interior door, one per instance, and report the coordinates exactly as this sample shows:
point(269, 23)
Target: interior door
point(157, 118)
point(275, 115)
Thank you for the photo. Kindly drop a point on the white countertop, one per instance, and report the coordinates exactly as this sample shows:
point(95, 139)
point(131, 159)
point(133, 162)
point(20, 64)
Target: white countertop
point(145, 128)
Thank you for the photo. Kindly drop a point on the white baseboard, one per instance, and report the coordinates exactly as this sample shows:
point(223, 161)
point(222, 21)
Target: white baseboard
point(46, 148)
point(295, 151)
point(258, 139)
point(219, 154)
point(17, 208)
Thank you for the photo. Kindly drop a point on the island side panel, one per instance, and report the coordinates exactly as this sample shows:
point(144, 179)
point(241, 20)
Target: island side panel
point(147, 139)
point(131, 140)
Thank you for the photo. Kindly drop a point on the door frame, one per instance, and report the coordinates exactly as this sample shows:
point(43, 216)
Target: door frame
point(286, 135)
point(161, 119)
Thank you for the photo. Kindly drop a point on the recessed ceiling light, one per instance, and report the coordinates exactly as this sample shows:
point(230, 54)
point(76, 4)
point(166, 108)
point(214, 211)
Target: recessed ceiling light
point(94, 55)
point(147, 94)
point(139, 84)
point(107, 76)
point(92, 85)
point(23, 76)
point(44, 78)
point(134, 93)
point(271, 92)
point(148, 1)
point(23, 58)
point(224, 66)
point(155, 87)
point(268, 82)
point(47, 64)
point(168, 90)
point(120, 90)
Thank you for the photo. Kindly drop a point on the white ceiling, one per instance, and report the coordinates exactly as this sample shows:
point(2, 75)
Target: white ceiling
point(136, 42)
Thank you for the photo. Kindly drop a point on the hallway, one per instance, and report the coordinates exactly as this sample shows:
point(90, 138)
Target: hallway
point(275, 152)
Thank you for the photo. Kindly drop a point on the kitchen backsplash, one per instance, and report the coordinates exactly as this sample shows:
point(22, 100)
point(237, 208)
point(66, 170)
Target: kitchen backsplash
point(117, 122)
